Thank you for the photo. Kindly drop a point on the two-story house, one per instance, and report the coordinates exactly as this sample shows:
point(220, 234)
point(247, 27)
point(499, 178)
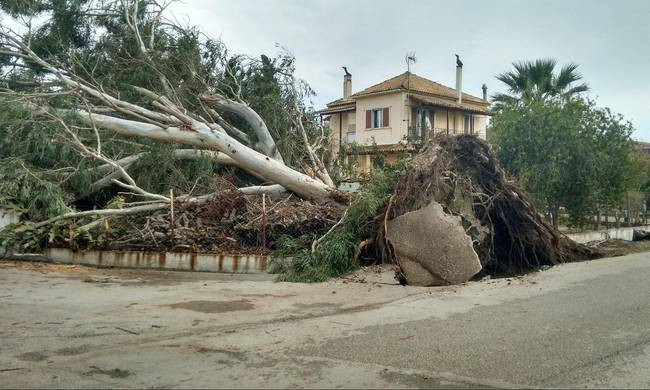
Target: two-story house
point(393, 116)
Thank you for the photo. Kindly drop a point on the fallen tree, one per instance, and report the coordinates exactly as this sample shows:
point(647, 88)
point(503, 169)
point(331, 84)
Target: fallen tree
point(198, 103)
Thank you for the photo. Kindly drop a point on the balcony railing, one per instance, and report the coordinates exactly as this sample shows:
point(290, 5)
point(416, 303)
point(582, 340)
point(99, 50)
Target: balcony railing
point(416, 135)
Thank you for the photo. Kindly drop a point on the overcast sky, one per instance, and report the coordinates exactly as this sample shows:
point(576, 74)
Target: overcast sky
point(609, 39)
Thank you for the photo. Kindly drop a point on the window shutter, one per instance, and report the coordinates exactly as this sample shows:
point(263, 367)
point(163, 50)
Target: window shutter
point(385, 123)
point(368, 119)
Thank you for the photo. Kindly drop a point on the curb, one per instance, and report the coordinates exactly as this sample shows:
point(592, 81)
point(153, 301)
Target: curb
point(169, 261)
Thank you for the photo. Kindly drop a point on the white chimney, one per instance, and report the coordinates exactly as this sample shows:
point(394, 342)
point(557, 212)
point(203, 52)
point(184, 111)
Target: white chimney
point(459, 83)
point(347, 86)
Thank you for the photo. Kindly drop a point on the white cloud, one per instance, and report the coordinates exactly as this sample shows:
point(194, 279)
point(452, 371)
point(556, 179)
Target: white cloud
point(607, 38)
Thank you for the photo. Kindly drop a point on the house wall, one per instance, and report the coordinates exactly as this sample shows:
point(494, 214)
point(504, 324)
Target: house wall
point(400, 117)
point(397, 126)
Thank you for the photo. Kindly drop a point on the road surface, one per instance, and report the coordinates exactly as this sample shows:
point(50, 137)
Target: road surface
point(576, 325)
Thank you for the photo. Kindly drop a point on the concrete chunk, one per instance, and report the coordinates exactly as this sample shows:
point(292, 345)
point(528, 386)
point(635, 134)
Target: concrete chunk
point(432, 248)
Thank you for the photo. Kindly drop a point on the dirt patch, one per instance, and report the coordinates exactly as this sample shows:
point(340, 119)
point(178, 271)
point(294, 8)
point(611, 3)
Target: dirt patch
point(114, 373)
point(620, 247)
point(419, 381)
point(214, 306)
point(71, 351)
point(269, 295)
point(231, 354)
point(32, 357)
point(317, 305)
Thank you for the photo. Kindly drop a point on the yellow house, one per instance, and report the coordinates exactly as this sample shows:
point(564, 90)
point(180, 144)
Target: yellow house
point(395, 115)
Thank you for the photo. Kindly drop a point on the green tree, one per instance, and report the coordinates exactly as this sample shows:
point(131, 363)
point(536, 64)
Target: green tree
point(538, 80)
point(565, 152)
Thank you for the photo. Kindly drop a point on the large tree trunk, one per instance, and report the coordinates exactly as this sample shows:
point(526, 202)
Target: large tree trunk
point(201, 135)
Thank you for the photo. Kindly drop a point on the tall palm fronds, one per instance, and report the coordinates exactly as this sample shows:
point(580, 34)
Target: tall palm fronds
point(538, 80)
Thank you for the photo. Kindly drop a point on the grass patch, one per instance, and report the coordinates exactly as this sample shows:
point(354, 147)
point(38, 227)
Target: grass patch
point(337, 253)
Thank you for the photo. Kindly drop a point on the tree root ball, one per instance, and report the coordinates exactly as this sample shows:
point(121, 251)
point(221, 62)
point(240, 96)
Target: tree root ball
point(462, 175)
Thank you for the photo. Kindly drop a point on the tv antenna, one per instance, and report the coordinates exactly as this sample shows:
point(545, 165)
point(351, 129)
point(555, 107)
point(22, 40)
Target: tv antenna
point(410, 58)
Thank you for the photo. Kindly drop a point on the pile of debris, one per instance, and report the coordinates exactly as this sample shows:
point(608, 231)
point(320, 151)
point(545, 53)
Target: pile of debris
point(229, 222)
point(452, 216)
point(456, 215)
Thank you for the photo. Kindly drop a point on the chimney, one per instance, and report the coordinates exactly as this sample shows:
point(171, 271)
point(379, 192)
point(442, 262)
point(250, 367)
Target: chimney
point(459, 83)
point(347, 84)
point(485, 92)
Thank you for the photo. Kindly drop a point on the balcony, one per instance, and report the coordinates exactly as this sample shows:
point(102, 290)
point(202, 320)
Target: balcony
point(417, 135)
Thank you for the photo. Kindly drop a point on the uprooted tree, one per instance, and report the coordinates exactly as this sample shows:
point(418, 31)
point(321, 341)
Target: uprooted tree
point(101, 86)
point(118, 121)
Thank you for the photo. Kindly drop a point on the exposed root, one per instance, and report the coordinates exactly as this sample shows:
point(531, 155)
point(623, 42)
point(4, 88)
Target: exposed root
point(462, 174)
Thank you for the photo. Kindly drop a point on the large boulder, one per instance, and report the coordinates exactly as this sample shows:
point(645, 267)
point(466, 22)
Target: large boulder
point(432, 248)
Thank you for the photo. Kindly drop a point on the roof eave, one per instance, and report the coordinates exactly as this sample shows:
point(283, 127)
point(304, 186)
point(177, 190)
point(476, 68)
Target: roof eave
point(336, 110)
point(361, 95)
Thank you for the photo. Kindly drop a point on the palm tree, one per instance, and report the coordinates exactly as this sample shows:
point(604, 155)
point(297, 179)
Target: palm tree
point(537, 80)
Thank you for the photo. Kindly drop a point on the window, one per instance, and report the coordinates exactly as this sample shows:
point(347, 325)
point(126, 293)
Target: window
point(377, 118)
point(351, 135)
point(469, 124)
point(423, 122)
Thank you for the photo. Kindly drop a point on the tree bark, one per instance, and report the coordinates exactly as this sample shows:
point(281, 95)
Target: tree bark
point(265, 142)
point(201, 135)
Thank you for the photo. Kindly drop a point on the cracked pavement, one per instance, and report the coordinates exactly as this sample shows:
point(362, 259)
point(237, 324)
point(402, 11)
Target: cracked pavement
point(575, 325)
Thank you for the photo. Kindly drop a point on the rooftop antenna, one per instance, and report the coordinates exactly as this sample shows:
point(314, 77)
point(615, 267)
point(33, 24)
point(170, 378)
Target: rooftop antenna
point(410, 58)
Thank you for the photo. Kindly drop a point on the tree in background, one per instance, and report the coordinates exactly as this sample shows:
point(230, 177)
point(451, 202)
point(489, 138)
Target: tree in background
point(637, 199)
point(566, 152)
point(538, 80)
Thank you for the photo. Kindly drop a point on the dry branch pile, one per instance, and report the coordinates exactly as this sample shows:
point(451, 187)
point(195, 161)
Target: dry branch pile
point(228, 222)
point(463, 176)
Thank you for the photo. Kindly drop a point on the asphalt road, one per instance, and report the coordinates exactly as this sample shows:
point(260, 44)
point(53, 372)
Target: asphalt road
point(576, 325)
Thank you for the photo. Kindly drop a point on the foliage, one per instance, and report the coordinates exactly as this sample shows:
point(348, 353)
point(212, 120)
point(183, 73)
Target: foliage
point(92, 39)
point(27, 191)
point(337, 253)
point(26, 238)
point(565, 152)
point(640, 172)
point(537, 80)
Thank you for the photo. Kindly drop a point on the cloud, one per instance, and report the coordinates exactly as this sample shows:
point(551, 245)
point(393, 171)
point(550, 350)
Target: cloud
point(607, 38)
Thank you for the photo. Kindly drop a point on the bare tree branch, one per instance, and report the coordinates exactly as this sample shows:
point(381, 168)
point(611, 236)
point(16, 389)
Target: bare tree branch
point(265, 142)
